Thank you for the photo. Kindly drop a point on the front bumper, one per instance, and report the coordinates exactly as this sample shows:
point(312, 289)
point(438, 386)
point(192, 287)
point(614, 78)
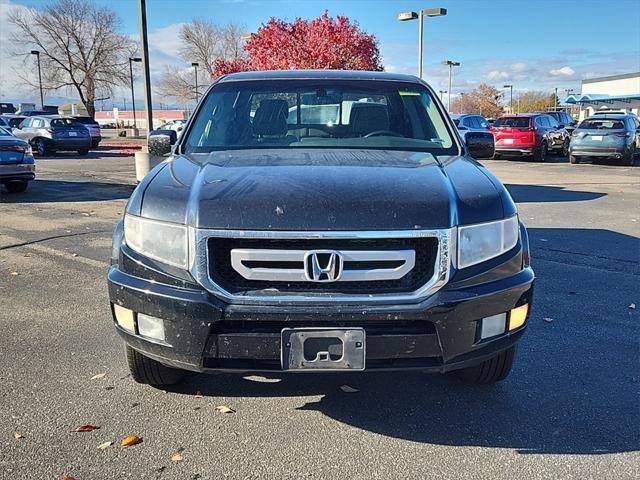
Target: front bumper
point(17, 171)
point(203, 333)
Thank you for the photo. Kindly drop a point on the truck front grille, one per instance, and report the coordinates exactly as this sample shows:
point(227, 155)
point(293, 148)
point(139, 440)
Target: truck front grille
point(268, 266)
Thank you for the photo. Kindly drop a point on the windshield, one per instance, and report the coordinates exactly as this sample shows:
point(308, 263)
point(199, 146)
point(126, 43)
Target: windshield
point(4, 133)
point(602, 124)
point(514, 122)
point(319, 114)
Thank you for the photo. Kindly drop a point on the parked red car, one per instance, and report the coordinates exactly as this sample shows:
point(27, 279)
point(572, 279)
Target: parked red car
point(529, 135)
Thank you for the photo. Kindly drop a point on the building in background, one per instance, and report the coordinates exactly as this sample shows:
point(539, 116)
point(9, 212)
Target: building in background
point(615, 92)
point(124, 118)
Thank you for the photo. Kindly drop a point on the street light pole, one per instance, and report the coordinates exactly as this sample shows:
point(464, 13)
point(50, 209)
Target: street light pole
point(451, 64)
point(133, 99)
point(195, 66)
point(441, 92)
point(511, 100)
point(427, 12)
point(555, 98)
point(144, 42)
point(37, 54)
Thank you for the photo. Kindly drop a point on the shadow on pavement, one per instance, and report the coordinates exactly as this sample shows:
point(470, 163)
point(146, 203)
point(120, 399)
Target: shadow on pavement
point(543, 193)
point(45, 191)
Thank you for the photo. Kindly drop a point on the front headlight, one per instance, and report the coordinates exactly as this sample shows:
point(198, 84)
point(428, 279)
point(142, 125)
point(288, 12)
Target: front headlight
point(162, 241)
point(481, 242)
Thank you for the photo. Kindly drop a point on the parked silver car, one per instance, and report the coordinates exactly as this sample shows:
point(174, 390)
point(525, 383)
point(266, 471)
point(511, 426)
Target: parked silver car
point(614, 136)
point(94, 129)
point(47, 134)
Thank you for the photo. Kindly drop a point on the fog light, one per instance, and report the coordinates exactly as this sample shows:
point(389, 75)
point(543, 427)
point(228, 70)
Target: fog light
point(125, 318)
point(493, 325)
point(518, 316)
point(151, 327)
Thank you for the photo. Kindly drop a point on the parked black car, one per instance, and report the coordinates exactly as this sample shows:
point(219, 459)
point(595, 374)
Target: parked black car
point(49, 134)
point(614, 136)
point(320, 221)
point(17, 167)
point(564, 119)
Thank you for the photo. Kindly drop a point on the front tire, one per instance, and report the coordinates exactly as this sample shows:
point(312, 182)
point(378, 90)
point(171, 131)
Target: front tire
point(490, 371)
point(16, 186)
point(573, 159)
point(565, 148)
point(83, 152)
point(150, 372)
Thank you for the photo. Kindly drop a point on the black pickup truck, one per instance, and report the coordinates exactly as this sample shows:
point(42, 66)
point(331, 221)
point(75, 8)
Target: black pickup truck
point(314, 221)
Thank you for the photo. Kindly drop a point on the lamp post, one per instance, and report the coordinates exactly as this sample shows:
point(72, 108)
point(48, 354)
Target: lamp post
point(133, 99)
point(555, 98)
point(441, 92)
point(450, 64)
point(428, 12)
point(195, 66)
point(37, 54)
point(511, 100)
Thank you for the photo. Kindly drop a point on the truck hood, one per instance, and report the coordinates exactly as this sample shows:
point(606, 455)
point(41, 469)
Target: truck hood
point(309, 189)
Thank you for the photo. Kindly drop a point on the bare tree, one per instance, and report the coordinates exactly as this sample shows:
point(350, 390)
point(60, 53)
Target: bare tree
point(202, 42)
point(79, 45)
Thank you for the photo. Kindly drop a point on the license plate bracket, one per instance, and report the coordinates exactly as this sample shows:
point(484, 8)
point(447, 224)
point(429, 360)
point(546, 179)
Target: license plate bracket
point(323, 349)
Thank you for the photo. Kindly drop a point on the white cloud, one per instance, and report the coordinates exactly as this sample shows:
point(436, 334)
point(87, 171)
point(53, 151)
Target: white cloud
point(564, 71)
point(495, 75)
point(519, 67)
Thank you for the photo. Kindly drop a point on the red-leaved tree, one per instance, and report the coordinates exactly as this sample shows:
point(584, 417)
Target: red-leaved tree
point(322, 43)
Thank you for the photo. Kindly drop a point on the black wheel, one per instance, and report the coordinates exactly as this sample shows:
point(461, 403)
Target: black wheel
point(573, 159)
point(565, 147)
point(83, 152)
point(490, 371)
point(627, 158)
point(540, 154)
point(42, 147)
point(16, 186)
point(496, 156)
point(147, 371)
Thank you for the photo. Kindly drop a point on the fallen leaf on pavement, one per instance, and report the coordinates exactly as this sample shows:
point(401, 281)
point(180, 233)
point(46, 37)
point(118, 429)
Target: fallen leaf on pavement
point(98, 376)
point(13, 274)
point(130, 441)
point(632, 306)
point(26, 255)
point(105, 445)
point(18, 435)
point(548, 319)
point(74, 254)
point(199, 394)
point(86, 428)
point(177, 457)
point(224, 409)
point(67, 477)
point(348, 389)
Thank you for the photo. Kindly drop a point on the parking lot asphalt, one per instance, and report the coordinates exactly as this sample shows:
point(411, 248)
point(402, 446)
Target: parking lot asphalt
point(569, 409)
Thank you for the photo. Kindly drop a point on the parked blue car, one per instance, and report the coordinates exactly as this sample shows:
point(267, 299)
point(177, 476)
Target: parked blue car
point(612, 136)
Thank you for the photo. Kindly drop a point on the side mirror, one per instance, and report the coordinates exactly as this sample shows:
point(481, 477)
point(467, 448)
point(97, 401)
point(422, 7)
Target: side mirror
point(160, 142)
point(462, 127)
point(480, 145)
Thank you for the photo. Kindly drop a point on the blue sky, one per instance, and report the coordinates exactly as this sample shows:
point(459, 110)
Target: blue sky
point(535, 44)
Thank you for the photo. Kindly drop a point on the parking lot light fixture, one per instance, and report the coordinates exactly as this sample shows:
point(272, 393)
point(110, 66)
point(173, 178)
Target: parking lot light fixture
point(195, 66)
point(511, 99)
point(450, 64)
point(37, 54)
point(427, 12)
point(133, 99)
point(441, 92)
